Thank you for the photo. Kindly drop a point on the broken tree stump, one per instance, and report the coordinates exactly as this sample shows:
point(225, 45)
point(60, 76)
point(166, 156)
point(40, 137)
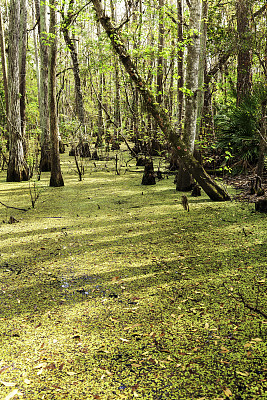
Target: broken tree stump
point(149, 174)
point(261, 205)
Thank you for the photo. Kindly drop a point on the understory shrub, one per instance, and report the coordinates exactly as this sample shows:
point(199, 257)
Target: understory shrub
point(237, 130)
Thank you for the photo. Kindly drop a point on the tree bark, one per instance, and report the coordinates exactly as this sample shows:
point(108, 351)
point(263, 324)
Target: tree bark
point(263, 129)
point(65, 26)
point(184, 178)
point(180, 80)
point(17, 167)
point(244, 56)
point(3, 59)
point(101, 81)
point(213, 190)
point(160, 60)
point(117, 97)
point(22, 68)
point(45, 161)
point(202, 65)
point(56, 176)
point(263, 140)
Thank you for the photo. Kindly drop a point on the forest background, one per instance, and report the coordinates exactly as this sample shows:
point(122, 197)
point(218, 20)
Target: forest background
point(109, 289)
point(203, 64)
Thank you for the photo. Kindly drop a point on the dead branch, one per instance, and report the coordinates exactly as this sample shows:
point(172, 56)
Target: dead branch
point(247, 305)
point(14, 208)
point(241, 299)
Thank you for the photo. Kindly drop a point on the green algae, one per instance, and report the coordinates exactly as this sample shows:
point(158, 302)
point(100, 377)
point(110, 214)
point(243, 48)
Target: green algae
point(110, 290)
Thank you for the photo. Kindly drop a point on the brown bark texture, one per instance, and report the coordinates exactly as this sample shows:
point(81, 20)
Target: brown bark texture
point(65, 26)
point(56, 176)
point(22, 67)
point(45, 161)
point(213, 190)
point(180, 64)
point(263, 140)
point(17, 167)
point(3, 60)
point(244, 56)
point(160, 61)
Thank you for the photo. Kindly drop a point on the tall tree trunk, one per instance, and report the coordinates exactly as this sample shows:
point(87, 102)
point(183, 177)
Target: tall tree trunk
point(101, 80)
point(184, 178)
point(65, 26)
point(244, 59)
point(263, 130)
point(180, 71)
point(100, 119)
point(36, 54)
point(263, 139)
point(117, 101)
point(160, 60)
point(22, 68)
point(41, 14)
point(56, 176)
point(180, 80)
point(17, 167)
point(213, 190)
point(169, 104)
point(202, 71)
point(3, 60)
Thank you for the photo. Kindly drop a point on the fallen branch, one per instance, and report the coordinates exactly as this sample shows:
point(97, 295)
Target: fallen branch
point(241, 299)
point(14, 208)
point(251, 308)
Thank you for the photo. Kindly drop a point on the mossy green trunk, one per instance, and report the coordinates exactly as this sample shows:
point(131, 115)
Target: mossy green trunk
point(213, 190)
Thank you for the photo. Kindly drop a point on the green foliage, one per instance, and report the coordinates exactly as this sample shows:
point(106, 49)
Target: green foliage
point(237, 129)
point(68, 128)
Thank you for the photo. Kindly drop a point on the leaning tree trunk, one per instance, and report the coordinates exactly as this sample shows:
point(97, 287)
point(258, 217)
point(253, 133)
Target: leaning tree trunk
point(213, 190)
point(184, 179)
point(56, 176)
point(17, 167)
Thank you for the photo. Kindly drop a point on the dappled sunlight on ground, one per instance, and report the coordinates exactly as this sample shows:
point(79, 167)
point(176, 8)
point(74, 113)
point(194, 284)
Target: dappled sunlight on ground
point(109, 290)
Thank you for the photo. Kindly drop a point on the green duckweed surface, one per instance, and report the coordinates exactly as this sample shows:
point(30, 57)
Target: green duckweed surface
point(110, 290)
